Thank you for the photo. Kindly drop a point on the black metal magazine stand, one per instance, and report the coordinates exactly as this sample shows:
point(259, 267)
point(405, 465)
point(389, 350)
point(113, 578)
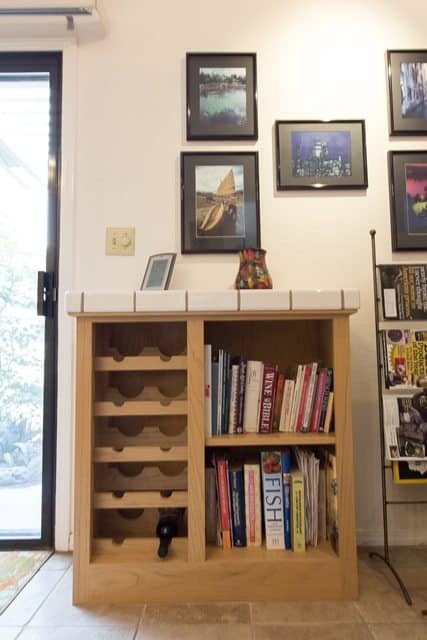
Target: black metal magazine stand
point(384, 466)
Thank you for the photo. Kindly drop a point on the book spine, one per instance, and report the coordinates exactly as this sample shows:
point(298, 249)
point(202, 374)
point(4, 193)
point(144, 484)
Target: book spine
point(286, 471)
point(305, 426)
point(328, 388)
point(265, 424)
point(303, 396)
point(232, 416)
point(295, 399)
point(225, 409)
point(243, 364)
point(318, 400)
point(278, 399)
point(332, 501)
point(252, 395)
point(210, 505)
point(272, 487)
point(238, 529)
point(208, 388)
point(329, 410)
point(285, 413)
point(215, 373)
point(220, 390)
point(224, 502)
point(252, 504)
point(298, 511)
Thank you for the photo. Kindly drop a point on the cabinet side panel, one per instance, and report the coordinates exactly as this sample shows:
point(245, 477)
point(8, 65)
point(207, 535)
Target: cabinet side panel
point(344, 453)
point(83, 459)
point(196, 444)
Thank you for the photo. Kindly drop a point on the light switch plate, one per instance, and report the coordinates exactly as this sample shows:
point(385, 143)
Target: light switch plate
point(120, 241)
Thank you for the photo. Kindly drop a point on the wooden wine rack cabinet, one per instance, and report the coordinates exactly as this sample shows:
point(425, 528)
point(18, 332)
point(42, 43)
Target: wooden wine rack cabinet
point(140, 445)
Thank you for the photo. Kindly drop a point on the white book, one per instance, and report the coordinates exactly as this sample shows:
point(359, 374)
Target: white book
point(285, 412)
point(296, 397)
point(272, 490)
point(253, 518)
point(253, 388)
point(208, 388)
point(234, 389)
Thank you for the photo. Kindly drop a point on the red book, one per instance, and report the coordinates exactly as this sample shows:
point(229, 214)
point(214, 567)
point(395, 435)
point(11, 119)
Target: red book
point(278, 399)
point(224, 502)
point(268, 389)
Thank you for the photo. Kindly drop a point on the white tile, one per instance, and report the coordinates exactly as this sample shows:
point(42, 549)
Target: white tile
point(73, 301)
point(307, 299)
point(212, 300)
point(58, 561)
point(264, 300)
point(350, 298)
point(108, 301)
point(77, 633)
point(171, 300)
point(19, 612)
point(10, 633)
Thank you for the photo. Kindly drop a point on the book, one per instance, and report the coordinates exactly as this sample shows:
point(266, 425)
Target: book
point(405, 425)
point(225, 395)
point(286, 409)
point(223, 501)
point(243, 365)
point(268, 390)
point(327, 391)
point(252, 478)
point(404, 358)
point(272, 492)
point(296, 398)
point(211, 512)
point(254, 373)
point(297, 511)
point(329, 411)
point(332, 530)
point(286, 476)
point(318, 399)
point(322, 503)
point(278, 399)
point(208, 388)
point(237, 502)
point(404, 291)
point(305, 378)
point(234, 390)
point(309, 400)
point(214, 393)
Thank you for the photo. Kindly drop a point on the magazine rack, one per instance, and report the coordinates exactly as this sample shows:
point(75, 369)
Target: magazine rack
point(386, 501)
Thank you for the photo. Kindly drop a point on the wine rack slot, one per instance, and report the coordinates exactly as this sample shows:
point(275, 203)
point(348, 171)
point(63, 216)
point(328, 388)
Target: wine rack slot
point(125, 431)
point(141, 476)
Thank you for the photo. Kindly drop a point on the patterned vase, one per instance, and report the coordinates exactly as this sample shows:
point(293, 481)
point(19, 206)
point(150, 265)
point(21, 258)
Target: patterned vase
point(253, 272)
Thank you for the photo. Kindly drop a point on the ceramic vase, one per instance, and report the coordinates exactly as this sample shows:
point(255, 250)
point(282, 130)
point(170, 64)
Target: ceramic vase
point(253, 272)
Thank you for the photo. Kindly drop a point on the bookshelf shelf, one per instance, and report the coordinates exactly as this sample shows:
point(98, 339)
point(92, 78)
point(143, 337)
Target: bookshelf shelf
point(136, 452)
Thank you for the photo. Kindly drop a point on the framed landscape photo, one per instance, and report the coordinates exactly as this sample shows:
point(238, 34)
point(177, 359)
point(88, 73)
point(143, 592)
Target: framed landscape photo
point(159, 271)
point(407, 84)
point(221, 96)
point(219, 202)
point(408, 199)
point(320, 154)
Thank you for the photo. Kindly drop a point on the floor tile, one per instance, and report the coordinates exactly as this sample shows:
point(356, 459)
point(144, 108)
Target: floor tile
point(352, 631)
point(58, 611)
point(412, 631)
point(385, 607)
point(20, 611)
point(159, 631)
point(77, 633)
point(225, 613)
point(295, 612)
point(58, 561)
point(10, 633)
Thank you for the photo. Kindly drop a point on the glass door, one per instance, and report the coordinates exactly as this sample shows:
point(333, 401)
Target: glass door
point(29, 156)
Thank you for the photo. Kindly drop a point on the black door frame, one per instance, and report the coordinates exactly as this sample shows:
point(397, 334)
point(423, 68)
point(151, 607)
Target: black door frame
point(46, 62)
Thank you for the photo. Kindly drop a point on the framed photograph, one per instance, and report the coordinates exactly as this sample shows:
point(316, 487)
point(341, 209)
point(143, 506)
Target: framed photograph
point(408, 199)
point(414, 472)
point(219, 202)
point(221, 96)
point(407, 87)
point(319, 154)
point(159, 271)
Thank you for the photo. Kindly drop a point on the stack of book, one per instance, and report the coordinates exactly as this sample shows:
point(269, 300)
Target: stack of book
point(251, 396)
point(282, 499)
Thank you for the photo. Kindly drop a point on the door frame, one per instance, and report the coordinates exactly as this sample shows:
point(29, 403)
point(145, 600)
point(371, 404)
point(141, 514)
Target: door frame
point(50, 61)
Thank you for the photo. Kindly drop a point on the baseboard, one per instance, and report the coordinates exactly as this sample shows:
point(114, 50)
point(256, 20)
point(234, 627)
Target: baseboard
point(398, 537)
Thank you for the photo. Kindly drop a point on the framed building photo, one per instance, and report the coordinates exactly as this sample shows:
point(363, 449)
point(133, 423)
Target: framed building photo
point(407, 84)
point(408, 199)
point(219, 202)
point(159, 271)
point(318, 154)
point(221, 96)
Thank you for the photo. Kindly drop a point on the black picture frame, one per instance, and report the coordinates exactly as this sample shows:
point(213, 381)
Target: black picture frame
point(407, 91)
point(224, 106)
point(158, 271)
point(408, 208)
point(304, 158)
point(219, 202)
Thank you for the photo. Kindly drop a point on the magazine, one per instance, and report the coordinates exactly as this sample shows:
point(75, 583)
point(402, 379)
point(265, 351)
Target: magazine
point(404, 358)
point(405, 426)
point(404, 291)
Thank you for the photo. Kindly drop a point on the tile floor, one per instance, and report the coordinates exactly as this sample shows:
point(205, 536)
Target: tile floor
point(43, 611)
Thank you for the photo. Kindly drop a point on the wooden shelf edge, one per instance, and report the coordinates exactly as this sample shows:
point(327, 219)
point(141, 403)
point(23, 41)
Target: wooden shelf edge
point(269, 439)
point(174, 453)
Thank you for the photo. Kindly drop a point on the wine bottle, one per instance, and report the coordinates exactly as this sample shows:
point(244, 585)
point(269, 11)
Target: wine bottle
point(167, 528)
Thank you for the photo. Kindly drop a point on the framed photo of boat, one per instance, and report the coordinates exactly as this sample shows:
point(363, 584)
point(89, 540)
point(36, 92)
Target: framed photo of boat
point(219, 202)
point(221, 96)
point(407, 91)
point(321, 154)
point(408, 199)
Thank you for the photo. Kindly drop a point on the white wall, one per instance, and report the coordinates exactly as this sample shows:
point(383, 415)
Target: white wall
point(315, 60)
